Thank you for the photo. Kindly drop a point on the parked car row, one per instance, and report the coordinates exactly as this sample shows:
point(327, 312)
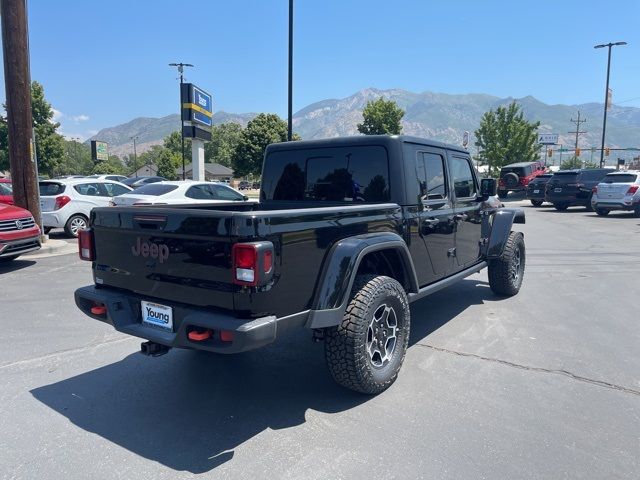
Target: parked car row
point(598, 189)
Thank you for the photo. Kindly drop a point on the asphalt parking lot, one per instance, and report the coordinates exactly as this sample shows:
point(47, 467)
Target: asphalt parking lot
point(544, 385)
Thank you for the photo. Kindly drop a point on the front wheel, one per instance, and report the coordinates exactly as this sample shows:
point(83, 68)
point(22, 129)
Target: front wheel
point(602, 212)
point(561, 207)
point(536, 203)
point(506, 273)
point(75, 224)
point(365, 352)
point(8, 259)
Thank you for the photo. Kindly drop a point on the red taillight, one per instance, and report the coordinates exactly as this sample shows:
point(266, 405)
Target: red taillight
point(86, 248)
point(632, 190)
point(524, 181)
point(61, 201)
point(594, 189)
point(252, 263)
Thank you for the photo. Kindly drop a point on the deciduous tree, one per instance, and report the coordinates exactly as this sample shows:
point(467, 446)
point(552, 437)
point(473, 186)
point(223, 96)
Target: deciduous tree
point(381, 117)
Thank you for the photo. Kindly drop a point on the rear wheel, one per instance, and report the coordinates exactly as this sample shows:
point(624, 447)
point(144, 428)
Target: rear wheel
point(8, 259)
point(561, 207)
point(503, 193)
point(506, 272)
point(365, 352)
point(536, 203)
point(589, 206)
point(46, 230)
point(636, 211)
point(75, 224)
point(602, 212)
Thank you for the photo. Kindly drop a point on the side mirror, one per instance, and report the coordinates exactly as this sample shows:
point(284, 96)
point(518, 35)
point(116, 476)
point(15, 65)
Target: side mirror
point(488, 188)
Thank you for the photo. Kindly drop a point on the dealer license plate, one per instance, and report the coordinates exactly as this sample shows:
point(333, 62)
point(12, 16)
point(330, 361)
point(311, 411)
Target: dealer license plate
point(157, 315)
point(557, 190)
point(536, 191)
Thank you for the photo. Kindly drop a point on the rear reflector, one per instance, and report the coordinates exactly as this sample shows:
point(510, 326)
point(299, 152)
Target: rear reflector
point(199, 336)
point(98, 309)
point(226, 335)
point(86, 248)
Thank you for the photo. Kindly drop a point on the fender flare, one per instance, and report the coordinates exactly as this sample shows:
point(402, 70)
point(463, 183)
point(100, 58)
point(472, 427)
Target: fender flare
point(501, 222)
point(339, 272)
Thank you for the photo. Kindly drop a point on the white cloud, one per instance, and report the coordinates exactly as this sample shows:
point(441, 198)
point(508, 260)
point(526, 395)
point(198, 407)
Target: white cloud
point(80, 118)
point(57, 115)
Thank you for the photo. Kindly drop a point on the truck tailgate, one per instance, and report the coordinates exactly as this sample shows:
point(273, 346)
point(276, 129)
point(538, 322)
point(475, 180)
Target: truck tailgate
point(180, 255)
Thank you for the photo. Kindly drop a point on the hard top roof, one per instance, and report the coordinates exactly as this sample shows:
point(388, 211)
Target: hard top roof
point(520, 164)
point(363, 140)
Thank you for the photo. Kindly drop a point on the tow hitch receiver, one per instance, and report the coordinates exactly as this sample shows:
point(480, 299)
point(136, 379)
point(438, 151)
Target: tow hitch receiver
point(152, 349)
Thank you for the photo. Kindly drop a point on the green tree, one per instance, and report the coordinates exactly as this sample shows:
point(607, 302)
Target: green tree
point(264, 129)
point(505, 137)
point(225, 139)
point(76, 159)
point(167, 163)
point(575, 162)
point(49, 144)
point(113, 165)
point(151, 156)
point(173, 143)
point(381, 117)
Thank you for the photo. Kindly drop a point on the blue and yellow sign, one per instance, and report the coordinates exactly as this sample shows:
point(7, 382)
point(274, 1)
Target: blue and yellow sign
point(197, 105)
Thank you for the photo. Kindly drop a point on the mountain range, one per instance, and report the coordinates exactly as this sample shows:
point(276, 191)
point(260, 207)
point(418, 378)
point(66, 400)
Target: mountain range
point(438, 116)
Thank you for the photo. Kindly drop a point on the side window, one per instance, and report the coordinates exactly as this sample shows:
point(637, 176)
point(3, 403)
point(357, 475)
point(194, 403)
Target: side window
point(113, 189)
point(463, 181)
point(89, 189)
point(436, 183)
point(199, 192)
point(224, 193)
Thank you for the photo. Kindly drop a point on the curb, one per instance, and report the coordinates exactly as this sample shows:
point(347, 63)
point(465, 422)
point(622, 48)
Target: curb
point(52, 248)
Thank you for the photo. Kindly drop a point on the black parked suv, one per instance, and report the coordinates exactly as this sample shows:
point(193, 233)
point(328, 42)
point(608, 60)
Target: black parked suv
point(536, 188)
point(516, 176)
point(567, 188)
point(347, 233)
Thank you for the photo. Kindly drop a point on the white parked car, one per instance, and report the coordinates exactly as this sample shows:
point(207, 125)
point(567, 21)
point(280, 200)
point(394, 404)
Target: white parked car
point(180, 192)
point(113, 178)
point(68, 203)
point(617, 191)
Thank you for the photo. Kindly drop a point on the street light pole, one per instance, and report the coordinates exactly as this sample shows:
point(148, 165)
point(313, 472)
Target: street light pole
point(290, 89)
point(606, 96)
point(135, 155)
point(181, 66)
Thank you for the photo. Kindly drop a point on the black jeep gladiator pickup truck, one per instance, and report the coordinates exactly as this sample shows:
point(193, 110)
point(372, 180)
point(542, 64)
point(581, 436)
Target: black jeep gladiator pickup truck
point(347, 232)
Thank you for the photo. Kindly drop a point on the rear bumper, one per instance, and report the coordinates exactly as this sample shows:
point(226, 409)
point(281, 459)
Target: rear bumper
point(9, 248)
point(53, 219)
point(535, 196)
point(566, 199)
point(617, 204)
point(123, 312)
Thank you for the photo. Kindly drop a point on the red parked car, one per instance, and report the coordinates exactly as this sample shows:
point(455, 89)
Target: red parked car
point(515, 177)
point(6, 194)
point(19, 232)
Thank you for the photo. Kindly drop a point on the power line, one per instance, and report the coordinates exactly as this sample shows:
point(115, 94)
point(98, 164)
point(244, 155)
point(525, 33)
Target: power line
point(578, 132)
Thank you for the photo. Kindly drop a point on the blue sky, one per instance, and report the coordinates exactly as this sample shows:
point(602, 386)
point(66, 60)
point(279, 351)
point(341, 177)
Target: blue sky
point(104, 63)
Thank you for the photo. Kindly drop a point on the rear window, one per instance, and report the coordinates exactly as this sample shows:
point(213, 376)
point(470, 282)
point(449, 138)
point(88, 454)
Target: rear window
point(339, 174)
point(620, 178)
point(5, 189)
point(541, 178)
point(593, 175)
point(565, 177)
point(520, 171)
point(154, 189)
point(48, 189)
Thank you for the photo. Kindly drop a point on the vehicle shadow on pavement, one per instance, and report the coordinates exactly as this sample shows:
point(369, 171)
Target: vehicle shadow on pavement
point(434, 311)
point(14, 265)
point(190, 410)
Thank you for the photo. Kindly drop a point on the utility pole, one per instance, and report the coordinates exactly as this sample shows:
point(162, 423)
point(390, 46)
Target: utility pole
point(290, 89)
point(135, 155)
point(181, 66)
point(17, 79)
point(578, 122)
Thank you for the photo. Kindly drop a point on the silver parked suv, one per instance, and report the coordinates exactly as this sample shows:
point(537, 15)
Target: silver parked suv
point(617, 191)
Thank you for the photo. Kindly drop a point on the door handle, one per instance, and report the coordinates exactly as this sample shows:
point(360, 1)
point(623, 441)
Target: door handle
point(460, 217)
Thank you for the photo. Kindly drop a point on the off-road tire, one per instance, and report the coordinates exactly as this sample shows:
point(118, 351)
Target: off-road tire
point(511, 180)
point(636, 211)
point(8, 259)
point(503, 194)
point(603, 212)
point(536, 203)
point(506, 272)
point(561, 207)
point(348, 360)
point(69, 226)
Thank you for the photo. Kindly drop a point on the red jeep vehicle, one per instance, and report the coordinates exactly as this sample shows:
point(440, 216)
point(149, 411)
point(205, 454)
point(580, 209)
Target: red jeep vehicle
point(18, 232)
point(6, 194)
point(516, 176)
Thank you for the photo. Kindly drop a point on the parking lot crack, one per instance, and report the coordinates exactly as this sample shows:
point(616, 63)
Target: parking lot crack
point(566, 373)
